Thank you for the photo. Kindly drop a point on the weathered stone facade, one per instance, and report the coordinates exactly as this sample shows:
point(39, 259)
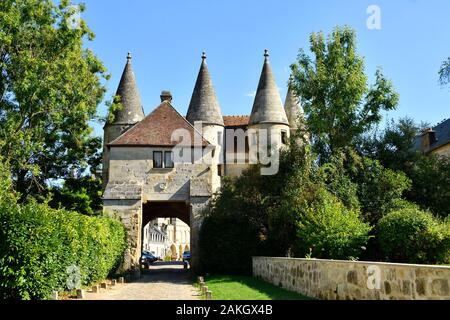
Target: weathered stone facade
point(134, 182)
point(350, 280)
point(137, 188)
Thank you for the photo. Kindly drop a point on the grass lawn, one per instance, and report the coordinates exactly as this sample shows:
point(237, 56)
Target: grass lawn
point(247, 288)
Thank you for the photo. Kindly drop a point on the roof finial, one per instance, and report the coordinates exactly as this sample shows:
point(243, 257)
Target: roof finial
point(129, 56)
point(203, 55)
point(266, 54)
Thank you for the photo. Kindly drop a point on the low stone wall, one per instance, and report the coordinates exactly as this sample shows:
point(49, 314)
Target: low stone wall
point(335, 279)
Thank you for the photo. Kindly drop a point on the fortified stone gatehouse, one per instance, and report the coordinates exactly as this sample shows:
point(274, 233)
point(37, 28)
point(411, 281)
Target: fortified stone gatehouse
point(143, 177)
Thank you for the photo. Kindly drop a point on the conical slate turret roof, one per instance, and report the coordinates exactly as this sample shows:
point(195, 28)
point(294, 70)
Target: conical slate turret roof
point(204, 106)
point(294, 111)
point(132, 111)
point(267, 107)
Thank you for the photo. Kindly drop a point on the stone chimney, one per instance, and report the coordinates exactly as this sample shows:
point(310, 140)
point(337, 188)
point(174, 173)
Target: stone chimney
point(427, 139)
point(166, 96)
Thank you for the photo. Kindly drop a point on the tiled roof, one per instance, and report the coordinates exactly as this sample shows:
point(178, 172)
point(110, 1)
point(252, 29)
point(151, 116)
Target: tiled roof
point(156, 129)
point(235, 121)
point(442, 132)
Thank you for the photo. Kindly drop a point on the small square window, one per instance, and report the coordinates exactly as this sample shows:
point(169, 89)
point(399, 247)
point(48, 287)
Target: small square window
point(168, 159)
point(157, 159)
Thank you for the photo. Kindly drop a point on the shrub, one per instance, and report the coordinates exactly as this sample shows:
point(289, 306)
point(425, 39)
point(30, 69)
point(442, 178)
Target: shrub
point(234, 227)
point(335, 176)
point(380, 189)
point(325, 227)
point(228, 244)
point(414, 236)
point(38, 244)
point(431, 183)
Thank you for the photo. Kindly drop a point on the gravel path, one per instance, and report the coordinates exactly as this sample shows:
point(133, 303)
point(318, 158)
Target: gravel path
point(164, 281)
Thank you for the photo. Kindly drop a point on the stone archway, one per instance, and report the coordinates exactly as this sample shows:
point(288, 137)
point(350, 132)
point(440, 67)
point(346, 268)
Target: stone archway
point(125, 203)
point(166, 209)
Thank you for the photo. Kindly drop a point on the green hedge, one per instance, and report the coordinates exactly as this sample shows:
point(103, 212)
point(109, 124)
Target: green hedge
point(414, 236)
point(38, 245)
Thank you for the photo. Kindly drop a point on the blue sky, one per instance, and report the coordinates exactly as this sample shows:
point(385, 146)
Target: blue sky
point(166, 39)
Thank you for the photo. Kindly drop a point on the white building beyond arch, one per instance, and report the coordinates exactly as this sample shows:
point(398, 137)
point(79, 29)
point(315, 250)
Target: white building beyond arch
point(162, 234)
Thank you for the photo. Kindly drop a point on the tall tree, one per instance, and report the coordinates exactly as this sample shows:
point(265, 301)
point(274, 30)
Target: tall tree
point(50, 86)
point(339, 104)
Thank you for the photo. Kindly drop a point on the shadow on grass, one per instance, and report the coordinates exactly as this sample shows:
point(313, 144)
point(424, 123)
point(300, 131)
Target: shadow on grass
point(247, 288)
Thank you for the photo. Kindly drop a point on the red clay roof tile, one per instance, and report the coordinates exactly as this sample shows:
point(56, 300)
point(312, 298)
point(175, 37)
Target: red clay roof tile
point(156, 129)
point(235, 121)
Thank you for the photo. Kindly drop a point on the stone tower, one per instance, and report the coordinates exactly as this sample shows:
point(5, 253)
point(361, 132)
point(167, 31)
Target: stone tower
point(268, 112)
point(294, 111)
point(205, 108)
point(131, 113)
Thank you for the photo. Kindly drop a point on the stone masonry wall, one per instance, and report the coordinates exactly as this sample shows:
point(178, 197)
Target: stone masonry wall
point(129, 212)
point(349, 280)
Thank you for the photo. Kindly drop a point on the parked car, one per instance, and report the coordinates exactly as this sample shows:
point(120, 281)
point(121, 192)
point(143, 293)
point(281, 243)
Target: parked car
point(186, 256)
point(147, 258)
point(158, 258)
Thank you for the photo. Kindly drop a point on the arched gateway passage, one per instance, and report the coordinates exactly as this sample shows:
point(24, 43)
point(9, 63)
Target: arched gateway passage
point(171, 220)
point(166, 209)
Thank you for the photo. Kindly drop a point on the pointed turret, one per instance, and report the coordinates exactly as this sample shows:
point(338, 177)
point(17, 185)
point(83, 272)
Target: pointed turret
point(124, 118)
point(204, 106)
point(132, 111)
point(267, 107)
point(294, 111)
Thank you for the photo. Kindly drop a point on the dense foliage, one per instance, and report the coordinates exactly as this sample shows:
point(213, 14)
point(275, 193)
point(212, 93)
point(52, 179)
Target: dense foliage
point(291, 213)
point(38, 245)
point(83, 195)
point(415, 236)
point(234, 228)
point(50, 86)
point(347, 193)
point(379, 189)
point(325, 227)
point(338, 102)
point(429, 174)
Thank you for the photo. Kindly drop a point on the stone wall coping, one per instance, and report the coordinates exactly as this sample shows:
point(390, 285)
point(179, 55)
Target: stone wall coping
point(360, 262)
point(123, 198)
